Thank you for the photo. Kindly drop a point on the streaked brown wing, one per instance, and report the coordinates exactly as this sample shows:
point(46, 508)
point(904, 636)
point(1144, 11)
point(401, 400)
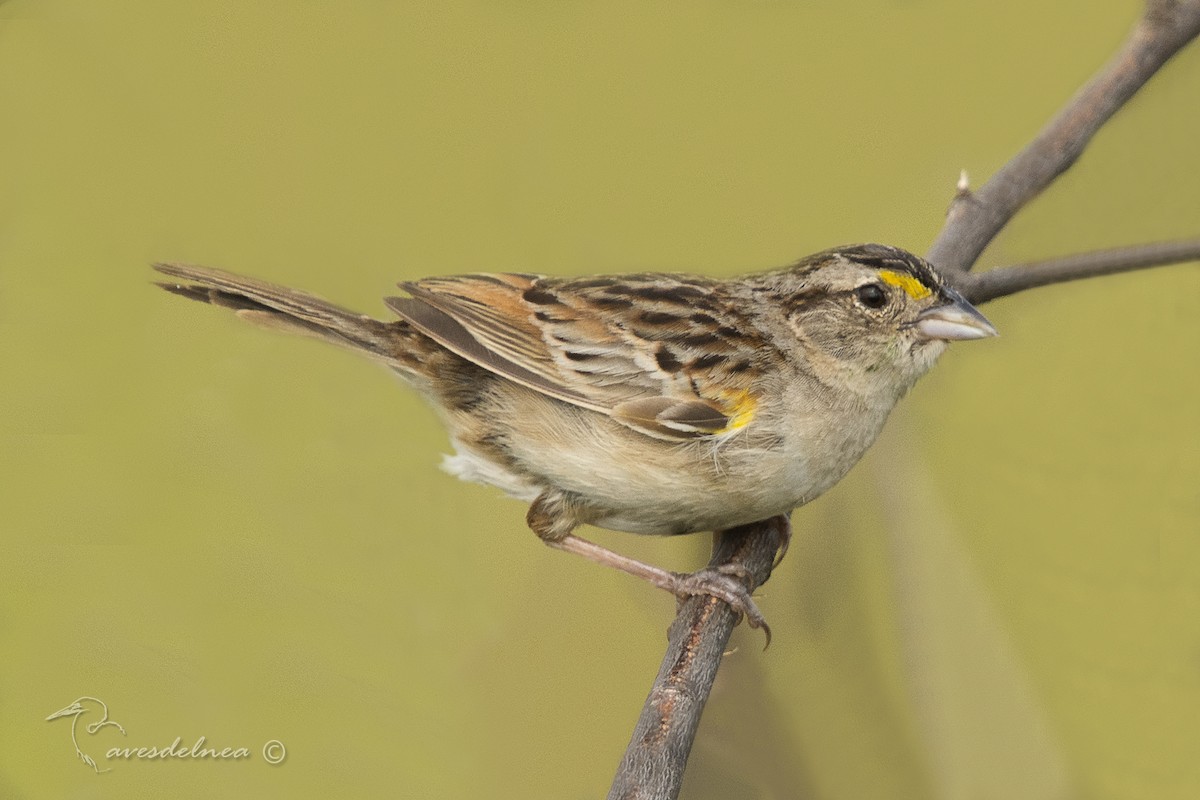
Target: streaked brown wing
point(452, 334)
point(623, 346)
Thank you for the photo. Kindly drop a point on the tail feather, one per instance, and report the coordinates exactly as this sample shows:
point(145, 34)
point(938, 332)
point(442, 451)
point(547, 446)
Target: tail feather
point(287, 309)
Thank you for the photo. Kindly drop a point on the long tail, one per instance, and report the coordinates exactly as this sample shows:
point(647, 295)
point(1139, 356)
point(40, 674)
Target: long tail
point(287, 309)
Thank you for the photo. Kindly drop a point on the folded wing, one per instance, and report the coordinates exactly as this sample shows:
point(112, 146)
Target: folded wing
point(658, 353)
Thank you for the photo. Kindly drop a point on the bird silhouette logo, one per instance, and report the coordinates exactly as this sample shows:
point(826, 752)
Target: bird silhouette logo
point(82, 706)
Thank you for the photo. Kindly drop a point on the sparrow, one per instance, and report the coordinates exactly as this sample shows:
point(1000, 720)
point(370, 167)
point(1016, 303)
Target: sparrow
point(653, 403)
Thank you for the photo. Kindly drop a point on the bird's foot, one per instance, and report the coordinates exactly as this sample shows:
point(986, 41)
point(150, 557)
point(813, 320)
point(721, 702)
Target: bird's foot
point(727, 582)
point(724, 583)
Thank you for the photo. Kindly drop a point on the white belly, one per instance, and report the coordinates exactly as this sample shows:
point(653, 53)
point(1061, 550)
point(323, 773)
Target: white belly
point(645, 485)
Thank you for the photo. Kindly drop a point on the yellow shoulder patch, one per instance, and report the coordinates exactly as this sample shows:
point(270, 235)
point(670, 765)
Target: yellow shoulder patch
point(911, 286)
point(740, 410)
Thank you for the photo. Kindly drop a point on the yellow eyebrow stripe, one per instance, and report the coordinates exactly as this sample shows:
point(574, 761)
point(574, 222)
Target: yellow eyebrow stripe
point(911, 286)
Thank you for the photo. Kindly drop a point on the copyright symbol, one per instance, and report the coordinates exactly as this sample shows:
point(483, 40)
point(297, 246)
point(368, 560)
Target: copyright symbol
point(274, 752)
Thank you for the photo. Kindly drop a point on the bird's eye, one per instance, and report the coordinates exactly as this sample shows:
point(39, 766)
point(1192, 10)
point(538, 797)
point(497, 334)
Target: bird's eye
point(872, 295)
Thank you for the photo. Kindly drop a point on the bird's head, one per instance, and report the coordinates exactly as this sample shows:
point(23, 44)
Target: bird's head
point(81, 706)
point(873, 316)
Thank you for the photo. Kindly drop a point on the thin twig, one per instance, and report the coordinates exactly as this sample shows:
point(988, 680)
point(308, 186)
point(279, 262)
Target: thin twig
point(658, 751)
point(1002, 281)
point(975, 218)
point(653, 766)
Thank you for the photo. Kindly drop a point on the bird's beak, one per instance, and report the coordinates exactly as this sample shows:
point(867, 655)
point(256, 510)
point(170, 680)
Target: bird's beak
point(74, 708)
point(954, 320)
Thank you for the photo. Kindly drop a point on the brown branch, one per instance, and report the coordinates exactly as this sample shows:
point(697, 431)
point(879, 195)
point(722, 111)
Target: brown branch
point(657, 754)
point(1002, 281)
point(976, 218)
point(662, 739)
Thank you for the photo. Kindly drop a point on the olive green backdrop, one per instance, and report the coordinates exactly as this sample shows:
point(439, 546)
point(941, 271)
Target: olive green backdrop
point(227, 533)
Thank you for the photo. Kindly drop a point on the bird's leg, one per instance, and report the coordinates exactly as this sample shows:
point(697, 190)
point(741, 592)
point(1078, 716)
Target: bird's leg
point(783, 523)
point(547, 519)
point(716, 582)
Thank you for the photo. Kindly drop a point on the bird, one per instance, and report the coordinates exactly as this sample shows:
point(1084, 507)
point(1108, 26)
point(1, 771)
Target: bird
point(75, 711)
point(652, 403)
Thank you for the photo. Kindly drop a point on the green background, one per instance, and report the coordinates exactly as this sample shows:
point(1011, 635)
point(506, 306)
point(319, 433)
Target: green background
point(224, 532)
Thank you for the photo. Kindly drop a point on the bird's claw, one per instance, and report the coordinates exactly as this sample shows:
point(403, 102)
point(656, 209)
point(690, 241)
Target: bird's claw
point(725, 584)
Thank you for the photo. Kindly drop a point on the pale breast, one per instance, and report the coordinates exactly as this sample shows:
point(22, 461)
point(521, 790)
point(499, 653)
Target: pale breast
point(523, 442)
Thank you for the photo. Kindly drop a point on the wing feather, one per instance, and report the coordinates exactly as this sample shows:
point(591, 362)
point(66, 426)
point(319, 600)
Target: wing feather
point(641, 348)
point(448, 332)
